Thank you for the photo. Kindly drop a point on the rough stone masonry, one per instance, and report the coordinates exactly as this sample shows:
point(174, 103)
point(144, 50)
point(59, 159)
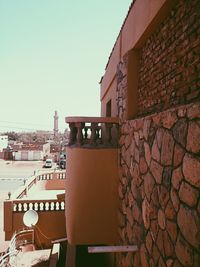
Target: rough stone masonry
point(159, 187)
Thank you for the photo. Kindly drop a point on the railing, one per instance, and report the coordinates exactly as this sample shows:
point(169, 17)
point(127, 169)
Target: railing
point(93, 131)
point(36, 178)
point(21, 238)
point(38, 205)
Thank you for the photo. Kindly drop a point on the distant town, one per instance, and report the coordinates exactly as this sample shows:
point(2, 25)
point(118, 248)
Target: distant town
point(34, 146)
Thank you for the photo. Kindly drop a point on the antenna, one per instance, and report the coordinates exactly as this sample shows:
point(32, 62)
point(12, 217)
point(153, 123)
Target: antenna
point(30, 218)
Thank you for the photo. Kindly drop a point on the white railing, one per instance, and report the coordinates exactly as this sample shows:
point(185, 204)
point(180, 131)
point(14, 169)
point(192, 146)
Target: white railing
point(38, 205)
point(9, 258)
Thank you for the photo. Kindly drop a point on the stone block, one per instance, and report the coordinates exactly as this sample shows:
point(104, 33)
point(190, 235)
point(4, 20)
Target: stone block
point(147, 123)
point(168, 245)
point(193, 137)
point(180, 131)
point(193, 111)
point(137, 213)
point(169, 118)
point(146, 213)
point(160, 242)
point(148, 185)
point(149, 242)
point(167, 149)
point(147, 153)
point(157, 170)
point(174, 198)
point(144, 257)
point(154, 229)
point(191, 169)
point(179, 153)
point(188, 194)
point(167, 173)
point(155, 153)
point(143, 165)
point(184, 252)
point(189, 224)
point(177, 177)
point(172, 229)
point(163, 196)
point(161, 219)
point(170, 212)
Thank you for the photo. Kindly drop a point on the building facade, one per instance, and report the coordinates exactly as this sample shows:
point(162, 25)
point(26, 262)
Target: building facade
point(31, 151)
point(152, 84)
point(133, 175)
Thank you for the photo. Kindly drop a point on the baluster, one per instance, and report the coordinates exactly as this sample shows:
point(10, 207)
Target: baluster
point(19, 207)
point(41, 206)
point(36, 206)
point(85, 132)
point(52, 206)
point(79, 127)
point(30, 206)
point(62, 205)
point(108, 137)
point(72, 134)
point(94, 126)
point(57, 205)
point(47, 206)
point(25, 206)
point(15, 207)
point(98, 134)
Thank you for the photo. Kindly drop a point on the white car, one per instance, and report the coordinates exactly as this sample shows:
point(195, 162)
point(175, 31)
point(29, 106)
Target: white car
point(48, 163)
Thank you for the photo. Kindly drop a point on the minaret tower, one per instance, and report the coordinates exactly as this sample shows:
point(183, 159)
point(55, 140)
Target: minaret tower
point(55, 130)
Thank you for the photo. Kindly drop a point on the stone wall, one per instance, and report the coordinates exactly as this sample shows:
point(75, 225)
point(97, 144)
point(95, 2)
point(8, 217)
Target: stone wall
point(160, 187)
point(170, 61)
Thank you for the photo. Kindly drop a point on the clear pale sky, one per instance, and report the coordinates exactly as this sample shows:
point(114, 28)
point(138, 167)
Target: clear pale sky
point(52, 56)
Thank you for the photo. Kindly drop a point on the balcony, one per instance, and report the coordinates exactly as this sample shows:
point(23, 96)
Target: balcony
point(92, 178)
point(92, 132)
point(43, 193)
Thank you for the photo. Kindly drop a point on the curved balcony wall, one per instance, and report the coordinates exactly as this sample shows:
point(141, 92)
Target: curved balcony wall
point(91, 186)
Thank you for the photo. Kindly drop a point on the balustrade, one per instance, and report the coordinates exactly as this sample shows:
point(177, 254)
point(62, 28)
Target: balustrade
point(93, 131)
point(43, 205)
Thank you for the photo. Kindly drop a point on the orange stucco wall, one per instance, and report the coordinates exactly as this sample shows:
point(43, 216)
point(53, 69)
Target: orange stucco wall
point(91, 195)
point(50, 224)
point(111, 68)
point(110, 95)
point(55, 184)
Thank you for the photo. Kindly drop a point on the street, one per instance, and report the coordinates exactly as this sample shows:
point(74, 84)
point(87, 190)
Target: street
point(12, 175)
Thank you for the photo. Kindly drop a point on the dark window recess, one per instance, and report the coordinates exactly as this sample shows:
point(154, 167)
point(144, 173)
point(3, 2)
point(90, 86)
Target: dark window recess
point(108, 109)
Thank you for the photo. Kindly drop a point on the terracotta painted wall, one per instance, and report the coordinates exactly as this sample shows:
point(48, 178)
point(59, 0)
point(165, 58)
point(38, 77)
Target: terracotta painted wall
point(91, 195)
point(110, 95)
point(50, 224)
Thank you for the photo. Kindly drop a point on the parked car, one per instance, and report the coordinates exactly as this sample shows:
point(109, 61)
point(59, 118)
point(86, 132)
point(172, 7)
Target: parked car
point(48, 163)
point(62, 163)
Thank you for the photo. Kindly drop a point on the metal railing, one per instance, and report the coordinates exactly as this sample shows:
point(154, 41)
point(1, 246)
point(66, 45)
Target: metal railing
point(21, 238)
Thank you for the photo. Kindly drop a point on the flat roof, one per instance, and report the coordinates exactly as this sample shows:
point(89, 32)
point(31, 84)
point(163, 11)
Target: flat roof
point(44, 194)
